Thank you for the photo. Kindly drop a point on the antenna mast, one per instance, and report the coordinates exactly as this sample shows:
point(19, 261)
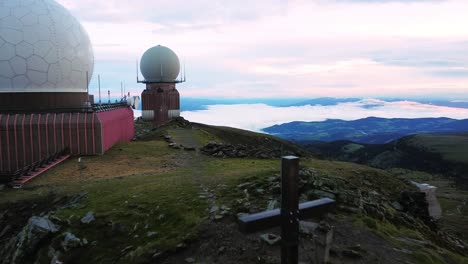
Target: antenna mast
point(99, 85)
point(87, 90)
point(137, 71)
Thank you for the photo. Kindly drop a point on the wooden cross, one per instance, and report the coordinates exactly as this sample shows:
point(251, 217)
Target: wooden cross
point(289, 214)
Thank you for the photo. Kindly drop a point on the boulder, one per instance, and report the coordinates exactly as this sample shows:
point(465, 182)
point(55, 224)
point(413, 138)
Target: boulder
point(88, 218)
point(24, 246)
point(270, 239)
point(70, 241)
point(307, 228)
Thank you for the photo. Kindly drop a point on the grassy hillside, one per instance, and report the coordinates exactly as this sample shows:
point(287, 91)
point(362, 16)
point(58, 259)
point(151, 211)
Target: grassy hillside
point(157, 204)
point(452, 148)
point(446, 153)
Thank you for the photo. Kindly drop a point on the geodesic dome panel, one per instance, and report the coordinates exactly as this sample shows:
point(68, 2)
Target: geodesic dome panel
point(43, 48)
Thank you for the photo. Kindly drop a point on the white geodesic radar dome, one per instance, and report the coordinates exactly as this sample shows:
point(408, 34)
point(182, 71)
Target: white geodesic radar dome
point(43, 48)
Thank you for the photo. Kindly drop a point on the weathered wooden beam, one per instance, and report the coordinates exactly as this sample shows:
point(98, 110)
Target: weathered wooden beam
point(289, 210)
point(289, 214)
point(268, 219)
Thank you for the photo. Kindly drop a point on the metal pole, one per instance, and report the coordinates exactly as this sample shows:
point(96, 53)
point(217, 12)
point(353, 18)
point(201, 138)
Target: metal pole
point(87, 90)
point(99, 85)
point(289, 210)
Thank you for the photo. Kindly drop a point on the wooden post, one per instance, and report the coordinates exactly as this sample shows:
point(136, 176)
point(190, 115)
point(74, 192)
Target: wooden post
point(289, 210)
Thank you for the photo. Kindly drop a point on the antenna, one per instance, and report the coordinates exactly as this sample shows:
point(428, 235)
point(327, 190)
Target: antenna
point(99, 85)
point(121, 90)
point(137, 70)
point(108, 94)
point(87, 90)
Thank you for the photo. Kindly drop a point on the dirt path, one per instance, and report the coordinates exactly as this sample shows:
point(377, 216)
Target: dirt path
point(193, 159)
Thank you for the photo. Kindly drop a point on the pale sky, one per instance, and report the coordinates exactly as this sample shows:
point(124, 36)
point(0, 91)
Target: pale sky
point(280, 48)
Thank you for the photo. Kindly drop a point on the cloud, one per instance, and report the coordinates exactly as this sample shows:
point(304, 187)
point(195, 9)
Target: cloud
point(287, 48)
point(453, 73)
point(257, 116)
point(390, 1)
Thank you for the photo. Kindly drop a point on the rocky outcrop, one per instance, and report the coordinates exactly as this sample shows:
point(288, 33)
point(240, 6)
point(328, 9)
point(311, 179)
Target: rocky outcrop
point(23, 247)
point(242, 151)
point(434, 209)
point(363, 197)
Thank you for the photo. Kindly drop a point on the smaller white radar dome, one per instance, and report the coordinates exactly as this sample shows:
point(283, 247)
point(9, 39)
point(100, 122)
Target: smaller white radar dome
point(159, 64)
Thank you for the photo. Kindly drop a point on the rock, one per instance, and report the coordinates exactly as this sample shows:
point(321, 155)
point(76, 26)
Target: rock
point(218, 217)
point(172, 145)
point(181, 246)
point(190, 260)
point(397, 206)
point(25, 243)
point(214, 209)
point(351, 253)
point(272, 204)
point(323, 238)
point(151, 234)
point(70, 241)
point(2, 187)
point(238, 151)
point(126, 249)
point(56, 219)
point(221, 250)
point(88, 218)
point(434, 208)
point(270, 239)
point(156, 255)
point(307, 228)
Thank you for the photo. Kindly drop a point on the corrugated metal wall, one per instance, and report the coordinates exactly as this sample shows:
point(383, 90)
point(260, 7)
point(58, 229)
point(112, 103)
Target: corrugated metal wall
point(29, 138)
point(117, 126)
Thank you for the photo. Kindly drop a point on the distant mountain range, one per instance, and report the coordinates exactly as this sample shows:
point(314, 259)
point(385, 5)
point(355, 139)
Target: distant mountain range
point(371, 130)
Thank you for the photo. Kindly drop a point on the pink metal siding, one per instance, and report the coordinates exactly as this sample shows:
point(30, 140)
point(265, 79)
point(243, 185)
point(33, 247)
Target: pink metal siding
point(26, 139)
point(117, 126)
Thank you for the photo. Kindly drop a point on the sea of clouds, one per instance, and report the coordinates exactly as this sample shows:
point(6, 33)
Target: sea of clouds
point(255, 117)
